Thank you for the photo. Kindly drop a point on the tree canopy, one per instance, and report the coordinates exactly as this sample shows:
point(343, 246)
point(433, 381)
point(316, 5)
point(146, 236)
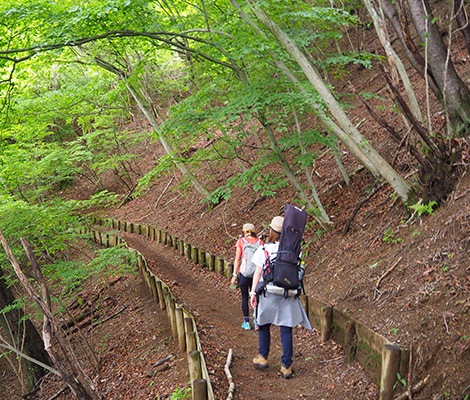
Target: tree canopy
point(260, 85)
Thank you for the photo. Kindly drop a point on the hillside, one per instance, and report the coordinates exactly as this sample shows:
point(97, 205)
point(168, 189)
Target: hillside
point(423, 300)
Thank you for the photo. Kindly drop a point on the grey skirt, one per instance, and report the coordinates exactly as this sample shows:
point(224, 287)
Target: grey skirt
point(277, 310)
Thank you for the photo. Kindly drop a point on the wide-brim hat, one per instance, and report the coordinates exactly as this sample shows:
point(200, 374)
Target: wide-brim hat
point(276, 224)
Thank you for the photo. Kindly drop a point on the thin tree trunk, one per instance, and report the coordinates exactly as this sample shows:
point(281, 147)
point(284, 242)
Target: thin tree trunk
point(33, 345)
point(77, 382)
point(323, 218)
point(396, 65)
point(461, 17)
point(407, 44)
point(455, 93)
point(285, 164)
point(351, 137)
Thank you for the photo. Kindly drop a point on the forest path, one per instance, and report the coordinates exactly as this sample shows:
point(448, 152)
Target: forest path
point(320, 369)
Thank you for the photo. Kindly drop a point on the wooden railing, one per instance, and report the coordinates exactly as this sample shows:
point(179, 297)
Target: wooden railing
point(183, 325)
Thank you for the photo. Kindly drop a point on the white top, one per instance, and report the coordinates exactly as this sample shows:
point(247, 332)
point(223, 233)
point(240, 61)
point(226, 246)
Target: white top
point(274, 308)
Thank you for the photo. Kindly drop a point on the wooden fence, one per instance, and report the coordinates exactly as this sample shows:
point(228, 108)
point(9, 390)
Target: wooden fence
point(382, 359)
point(183, 325)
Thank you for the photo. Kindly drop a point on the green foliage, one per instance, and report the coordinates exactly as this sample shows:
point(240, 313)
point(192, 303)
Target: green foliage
point(71, 275)
point(400, 380)
point(389, 237)
point(424, 208)
point(46, 226)
point(181, 394)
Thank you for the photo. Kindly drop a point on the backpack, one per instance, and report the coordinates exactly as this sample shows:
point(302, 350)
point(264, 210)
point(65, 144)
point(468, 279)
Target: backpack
point(285, 270)
point(247, 254)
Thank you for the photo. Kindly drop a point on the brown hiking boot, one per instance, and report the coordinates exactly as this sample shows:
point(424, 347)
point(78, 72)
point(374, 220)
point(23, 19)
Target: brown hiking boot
point(260, 362)
point(286, 372)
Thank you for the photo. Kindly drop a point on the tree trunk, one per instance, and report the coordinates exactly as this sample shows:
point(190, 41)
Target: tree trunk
point(150, 114)
point(25, 333)
point(324, 222)
point(396, 65)
point(461, 17)
point(348, 133)
point(455, 93)
point(407, 44)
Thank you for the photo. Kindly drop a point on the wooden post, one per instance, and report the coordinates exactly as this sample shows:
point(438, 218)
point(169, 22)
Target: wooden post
point(390, 365)
point(182, 246)
point(153, 286)
point(112, 241)
point(172, 315)
point(326, 323)
point(195, 255)
point(166, 297)
point(176, 243)
point(304, 301)
point(220, 265)
point(161, 298)
point(188, 251)
point(229, 271)
point(140, 263)
point(194, 365)
point(210, 259)
point(153, 233)
point(188, 324)
point(202, 258)
point(350, 340)
point(147, 278)
point(159, 235)
point(180, 328)
point(199, 389)
point(191, 343)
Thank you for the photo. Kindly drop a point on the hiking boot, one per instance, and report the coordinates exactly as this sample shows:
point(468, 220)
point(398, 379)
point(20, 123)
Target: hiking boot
point(246, 325)
point(286, 372)
point(260, 361)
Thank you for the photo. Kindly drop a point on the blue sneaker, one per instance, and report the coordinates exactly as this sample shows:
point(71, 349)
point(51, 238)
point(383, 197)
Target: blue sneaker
point(246, 325)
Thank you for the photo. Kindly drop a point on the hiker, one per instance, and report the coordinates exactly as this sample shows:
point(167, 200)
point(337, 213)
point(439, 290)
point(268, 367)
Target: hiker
point(278, 309)
point(243, 269)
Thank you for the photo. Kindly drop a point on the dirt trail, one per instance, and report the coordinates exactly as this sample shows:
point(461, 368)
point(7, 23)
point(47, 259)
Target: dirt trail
point(321, 371)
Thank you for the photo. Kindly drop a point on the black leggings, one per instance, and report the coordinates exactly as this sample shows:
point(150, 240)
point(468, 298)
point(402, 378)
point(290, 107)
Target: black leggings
point(245, 287)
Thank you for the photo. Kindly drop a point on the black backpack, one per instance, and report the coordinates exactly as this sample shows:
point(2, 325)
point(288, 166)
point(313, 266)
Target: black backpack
point(285, 269)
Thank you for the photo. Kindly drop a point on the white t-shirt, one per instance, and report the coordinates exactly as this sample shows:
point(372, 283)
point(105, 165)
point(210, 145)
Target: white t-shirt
point(259, 257)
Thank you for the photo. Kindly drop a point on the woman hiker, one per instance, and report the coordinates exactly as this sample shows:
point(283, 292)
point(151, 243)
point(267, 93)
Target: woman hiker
point(243, 269)
point(275, 308)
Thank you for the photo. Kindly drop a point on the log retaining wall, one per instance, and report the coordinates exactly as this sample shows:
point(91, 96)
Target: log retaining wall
point(183, 325)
